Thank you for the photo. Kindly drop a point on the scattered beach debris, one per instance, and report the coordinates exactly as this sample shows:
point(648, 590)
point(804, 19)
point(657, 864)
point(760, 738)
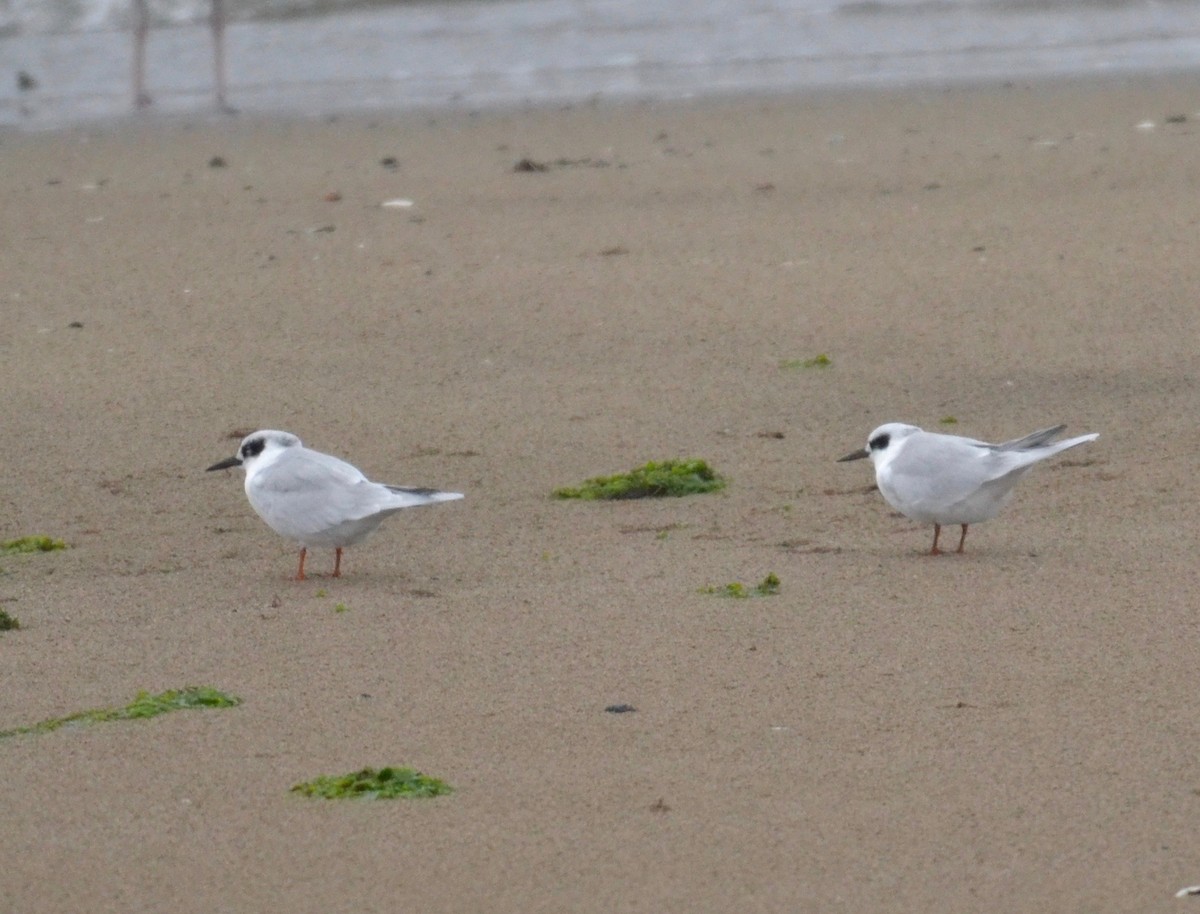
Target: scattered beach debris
point(817, 361)
point(620, 709)
point(1188, 890)
point(1176, 119)
point(143, 706)
point(947, 420)
point(389, 162)
point(530, 165)
point(333, 197)
point(660, 531)
point(217, 162)
point(768, 587)
point(369, 784)
point(76, 325)
point(26, 82)
point(1146, 126)
point(615, 251)
point(116, 486)
point(8, 623)
point(400, 202)
point(661, 479)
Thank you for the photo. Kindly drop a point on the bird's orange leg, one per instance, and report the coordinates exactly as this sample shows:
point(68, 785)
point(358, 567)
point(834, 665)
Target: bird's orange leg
point(962, 539)
point(937, 531)
point(300, 573)
point(337, 563)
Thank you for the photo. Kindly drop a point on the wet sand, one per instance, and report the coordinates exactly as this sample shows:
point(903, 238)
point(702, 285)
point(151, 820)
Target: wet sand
point(1007, 730)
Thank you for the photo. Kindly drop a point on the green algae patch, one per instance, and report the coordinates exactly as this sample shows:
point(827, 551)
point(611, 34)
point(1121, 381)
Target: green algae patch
point(147, 705)
point(8, 623)
point(370, 784)
point(143, 706)
point(662, 479)
point(768, 587)
point(26, 544)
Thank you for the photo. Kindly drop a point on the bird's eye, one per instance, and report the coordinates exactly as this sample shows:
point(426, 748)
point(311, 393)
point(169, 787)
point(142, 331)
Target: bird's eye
point(879, 442)
point(253, 448)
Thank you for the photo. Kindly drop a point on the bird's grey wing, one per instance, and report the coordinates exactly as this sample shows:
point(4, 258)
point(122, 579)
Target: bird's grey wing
point(939, 470)
point(300, 472)
point(1037, 439)
point(309, 491)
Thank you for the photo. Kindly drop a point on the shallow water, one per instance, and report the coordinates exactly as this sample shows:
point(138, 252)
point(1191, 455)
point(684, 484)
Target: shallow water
point(296, 57)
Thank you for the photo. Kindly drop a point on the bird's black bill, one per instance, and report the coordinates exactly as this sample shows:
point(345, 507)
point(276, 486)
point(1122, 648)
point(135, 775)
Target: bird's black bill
point(225, 464)
point(860, 454)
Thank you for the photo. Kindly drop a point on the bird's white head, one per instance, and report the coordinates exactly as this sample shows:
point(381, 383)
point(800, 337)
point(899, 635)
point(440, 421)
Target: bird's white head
point(883, 443)
point(257, 450)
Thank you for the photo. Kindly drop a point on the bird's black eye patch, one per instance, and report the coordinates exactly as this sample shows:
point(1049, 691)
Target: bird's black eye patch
point(879, 442)
point(253, 448)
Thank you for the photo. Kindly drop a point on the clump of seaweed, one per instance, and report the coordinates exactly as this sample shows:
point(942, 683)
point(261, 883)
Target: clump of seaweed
point(8, 623)
point(25, 544)
point(143, 706)
point(661, 479)
point(768, 587)
point(384, 784)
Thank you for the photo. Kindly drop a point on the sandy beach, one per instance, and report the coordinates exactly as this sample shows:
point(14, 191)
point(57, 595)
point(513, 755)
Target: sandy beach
point(1009, 730)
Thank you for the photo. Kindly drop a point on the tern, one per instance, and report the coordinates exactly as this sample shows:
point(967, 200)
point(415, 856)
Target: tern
point(317, 499)
point(944, 479)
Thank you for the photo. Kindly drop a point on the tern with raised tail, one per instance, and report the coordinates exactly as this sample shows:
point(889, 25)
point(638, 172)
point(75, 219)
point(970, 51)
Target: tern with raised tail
point(944, 479)
point(317, 499)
